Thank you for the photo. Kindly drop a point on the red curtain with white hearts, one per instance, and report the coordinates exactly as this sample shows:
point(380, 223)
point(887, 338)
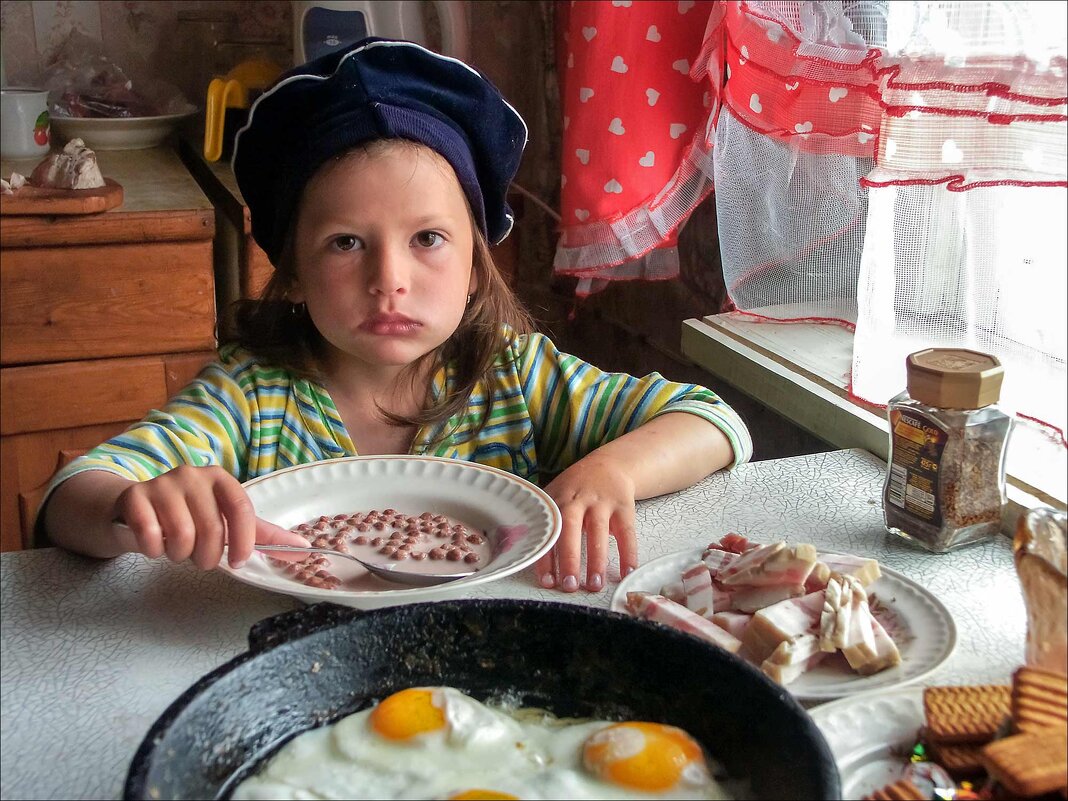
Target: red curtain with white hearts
point(898, 168)
point(639, 83)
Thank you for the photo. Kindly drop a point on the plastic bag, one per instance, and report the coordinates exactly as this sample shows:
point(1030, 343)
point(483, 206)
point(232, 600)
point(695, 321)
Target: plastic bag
point(84, 81)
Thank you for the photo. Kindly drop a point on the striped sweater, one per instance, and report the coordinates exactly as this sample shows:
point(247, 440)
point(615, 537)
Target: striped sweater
point(548, 410)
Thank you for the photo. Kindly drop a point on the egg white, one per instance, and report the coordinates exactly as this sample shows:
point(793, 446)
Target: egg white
point(527, 755)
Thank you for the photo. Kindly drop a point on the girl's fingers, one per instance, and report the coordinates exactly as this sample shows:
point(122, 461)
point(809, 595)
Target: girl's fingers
point(139, 516)
point(626, 541)
point(179, 531)
point(268, 533)
point(545, 571)
point(596, 550)
point(209, 536)
point(236, 508)
point(569, 548)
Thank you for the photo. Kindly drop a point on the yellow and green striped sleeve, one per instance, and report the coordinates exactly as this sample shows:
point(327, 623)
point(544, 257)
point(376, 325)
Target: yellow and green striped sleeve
point(575, 407)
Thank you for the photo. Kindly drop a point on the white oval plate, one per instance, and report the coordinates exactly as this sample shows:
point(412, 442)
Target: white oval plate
point(118, 133)
point(871, 736)
point(926, 634)
point(480, 496)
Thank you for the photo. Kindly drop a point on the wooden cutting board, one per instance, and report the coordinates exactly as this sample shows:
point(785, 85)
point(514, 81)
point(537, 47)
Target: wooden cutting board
point(35, 200)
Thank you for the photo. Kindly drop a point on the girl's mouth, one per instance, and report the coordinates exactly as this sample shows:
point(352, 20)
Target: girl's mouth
point(389, 325)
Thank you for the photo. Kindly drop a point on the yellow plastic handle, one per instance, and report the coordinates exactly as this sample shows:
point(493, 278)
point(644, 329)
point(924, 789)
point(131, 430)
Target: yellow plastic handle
point(222, 94)
point(255, 73)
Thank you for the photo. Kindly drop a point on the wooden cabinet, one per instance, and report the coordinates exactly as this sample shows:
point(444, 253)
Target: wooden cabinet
point(102, 317)
point(242, 269)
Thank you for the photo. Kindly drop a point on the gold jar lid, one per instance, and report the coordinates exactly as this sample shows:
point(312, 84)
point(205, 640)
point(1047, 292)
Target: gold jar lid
point(954, 378)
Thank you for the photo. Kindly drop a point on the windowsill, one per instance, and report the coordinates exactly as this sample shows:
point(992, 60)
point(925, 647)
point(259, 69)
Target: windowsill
point(801, 370)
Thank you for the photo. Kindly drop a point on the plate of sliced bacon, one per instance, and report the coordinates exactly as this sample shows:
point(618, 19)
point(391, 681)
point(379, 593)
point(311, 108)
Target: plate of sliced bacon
point(824, 625)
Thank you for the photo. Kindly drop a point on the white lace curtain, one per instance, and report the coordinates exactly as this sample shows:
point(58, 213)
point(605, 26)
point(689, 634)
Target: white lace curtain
point(900, 168)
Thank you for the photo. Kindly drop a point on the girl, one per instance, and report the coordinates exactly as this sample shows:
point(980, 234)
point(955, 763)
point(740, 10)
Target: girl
point(376, 179)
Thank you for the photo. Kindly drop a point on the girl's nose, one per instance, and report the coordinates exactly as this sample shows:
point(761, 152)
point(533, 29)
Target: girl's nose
point(391, 272)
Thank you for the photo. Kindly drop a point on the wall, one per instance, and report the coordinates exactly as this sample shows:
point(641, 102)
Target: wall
point(184, 42)
point(629, 327)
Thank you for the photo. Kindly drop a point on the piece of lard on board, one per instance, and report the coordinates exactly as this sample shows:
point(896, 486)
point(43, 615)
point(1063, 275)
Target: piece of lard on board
point(788, 606)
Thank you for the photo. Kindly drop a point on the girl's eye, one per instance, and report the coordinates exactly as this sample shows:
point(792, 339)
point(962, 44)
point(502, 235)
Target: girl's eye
point(346, 242)
point(428, 239)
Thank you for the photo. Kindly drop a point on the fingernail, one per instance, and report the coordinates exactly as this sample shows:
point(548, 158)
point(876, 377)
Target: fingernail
point(239, 565)
point(547, 581)
point(570, 584)
point(594, 582)
point(627, 571)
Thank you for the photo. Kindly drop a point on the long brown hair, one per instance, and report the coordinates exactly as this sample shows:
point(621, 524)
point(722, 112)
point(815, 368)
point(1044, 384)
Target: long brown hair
point(283, 335)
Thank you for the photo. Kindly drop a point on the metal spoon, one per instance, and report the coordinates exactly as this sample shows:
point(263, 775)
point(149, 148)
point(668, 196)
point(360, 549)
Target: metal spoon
point(396, 574)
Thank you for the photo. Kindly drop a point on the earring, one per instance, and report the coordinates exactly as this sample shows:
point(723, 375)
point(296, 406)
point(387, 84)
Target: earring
point(297, 309)
point(469, 298)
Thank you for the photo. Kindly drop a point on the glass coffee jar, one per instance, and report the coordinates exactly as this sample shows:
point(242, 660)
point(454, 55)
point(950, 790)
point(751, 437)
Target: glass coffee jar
point(945, 478)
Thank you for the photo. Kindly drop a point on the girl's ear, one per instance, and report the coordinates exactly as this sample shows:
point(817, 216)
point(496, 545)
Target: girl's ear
point(295, 293)
point(472, 285)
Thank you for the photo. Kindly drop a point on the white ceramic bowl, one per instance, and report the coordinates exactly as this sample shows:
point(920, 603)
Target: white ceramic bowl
point(480, 496)
point(119, 133)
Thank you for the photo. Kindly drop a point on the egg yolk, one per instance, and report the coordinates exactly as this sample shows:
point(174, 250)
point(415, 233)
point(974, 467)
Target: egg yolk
point(407, 713)
point(482, 795)
point(643, 756)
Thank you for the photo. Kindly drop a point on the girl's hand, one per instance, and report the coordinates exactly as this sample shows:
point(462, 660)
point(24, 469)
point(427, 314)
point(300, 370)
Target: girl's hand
point(595, 495)
point(193, 513)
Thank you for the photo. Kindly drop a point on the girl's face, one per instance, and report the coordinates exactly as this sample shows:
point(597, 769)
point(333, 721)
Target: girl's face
point(384, 248)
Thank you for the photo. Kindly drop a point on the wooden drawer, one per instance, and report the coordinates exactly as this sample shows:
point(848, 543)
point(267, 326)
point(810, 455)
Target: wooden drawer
point(68, 303)
point(39, 398)
point(53, 413)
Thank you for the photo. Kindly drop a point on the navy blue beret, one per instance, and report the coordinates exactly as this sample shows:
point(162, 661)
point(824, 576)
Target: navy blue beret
point(375, 89)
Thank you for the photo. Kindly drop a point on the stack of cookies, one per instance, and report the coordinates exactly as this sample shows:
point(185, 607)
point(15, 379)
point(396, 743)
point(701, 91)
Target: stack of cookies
point(1034, 759)
point(1010, 740)
point(960, 722)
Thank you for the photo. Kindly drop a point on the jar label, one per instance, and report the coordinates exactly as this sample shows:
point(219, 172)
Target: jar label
point(916, 459)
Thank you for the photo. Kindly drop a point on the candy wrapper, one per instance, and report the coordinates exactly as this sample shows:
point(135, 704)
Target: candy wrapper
point(83, 80)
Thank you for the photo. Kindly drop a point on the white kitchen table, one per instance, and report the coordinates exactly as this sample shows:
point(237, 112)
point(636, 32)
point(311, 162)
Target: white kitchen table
point(94, 651)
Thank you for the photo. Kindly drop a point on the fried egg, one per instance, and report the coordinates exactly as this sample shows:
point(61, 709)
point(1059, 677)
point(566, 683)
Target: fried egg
point(438, 743)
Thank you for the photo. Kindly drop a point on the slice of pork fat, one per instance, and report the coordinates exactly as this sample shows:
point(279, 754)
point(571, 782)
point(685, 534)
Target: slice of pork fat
point(697, 584)
point(675, 591)
point(781, 565)
point(663, 610)
point(753, 599)
point(749, 561)
point(715, 560)
point(865, 570)
point(886, 653)
point(832, 605)
point(782, 622)
point(734, 622)
point(859, 649)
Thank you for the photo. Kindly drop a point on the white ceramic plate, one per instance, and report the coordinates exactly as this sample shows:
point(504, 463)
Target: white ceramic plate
point(118, 133)
point(871, 736)
point(480, 496)
point(921, 626)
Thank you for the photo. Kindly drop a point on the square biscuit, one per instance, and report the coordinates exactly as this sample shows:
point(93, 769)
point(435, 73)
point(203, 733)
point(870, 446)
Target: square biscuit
point(967, 713)
point(1039, 699)
point(1029, 764)
point(1050, 680)
point(963, 760)
point(901, 790)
